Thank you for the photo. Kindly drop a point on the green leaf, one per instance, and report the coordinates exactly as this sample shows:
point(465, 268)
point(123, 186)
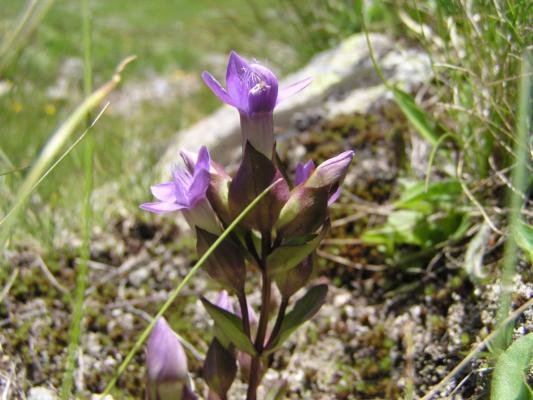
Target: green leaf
point(399, 228)
point(415, 196)
point(304, 309)
point(416, 228)
point(524, 238)
point(231, 326)
point(415, 115)
point(293, 252)
point(287, 257)
point(508, 381)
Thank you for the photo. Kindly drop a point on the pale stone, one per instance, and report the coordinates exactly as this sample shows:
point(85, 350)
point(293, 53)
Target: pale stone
point(344, 82)
point(41, 393)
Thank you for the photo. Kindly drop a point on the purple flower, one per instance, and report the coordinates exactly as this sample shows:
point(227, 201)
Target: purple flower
point(303, 171)
point(224, 301)
point(253, 90)
point(186, 189)
point(166, 365)
point(187, 193)
point(330, 172)
point(251, 87)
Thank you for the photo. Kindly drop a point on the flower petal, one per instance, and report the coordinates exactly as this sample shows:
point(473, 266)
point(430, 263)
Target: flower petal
point(164, 191)
point(262, 87)
point(198, 187)
point(203, 160)
point(335, 196)
point(161, 207)
point(303, 171)
point(236, 81)
point(286, 92)
point(217, 88)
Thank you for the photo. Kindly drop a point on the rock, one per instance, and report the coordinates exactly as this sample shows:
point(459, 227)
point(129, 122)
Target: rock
point(344, 82)
point(41, 393)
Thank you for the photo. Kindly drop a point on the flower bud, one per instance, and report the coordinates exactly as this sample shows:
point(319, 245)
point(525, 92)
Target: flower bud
point(331, 172)
point(253, 320)
point(224, 301)
point(303, 213)
point(167, 374)
point(219, 369)
point(226, 264)
point(306, 209)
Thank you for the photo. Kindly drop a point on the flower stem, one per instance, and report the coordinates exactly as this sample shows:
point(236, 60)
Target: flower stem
point(255, 369)
point(244, 312)
point(279, 322)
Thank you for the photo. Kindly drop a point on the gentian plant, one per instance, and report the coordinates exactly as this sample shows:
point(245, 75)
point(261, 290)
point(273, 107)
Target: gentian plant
point(275, 241)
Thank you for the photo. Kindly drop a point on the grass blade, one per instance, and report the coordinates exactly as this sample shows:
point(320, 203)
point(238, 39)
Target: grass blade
point(52, 148)
point(28, 22)
point(144, 335)
point(81, 281)
point(519, 178)
point(416, 116)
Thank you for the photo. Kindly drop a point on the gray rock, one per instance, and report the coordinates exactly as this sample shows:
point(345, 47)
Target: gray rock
point(344, 82)
point(41, 393)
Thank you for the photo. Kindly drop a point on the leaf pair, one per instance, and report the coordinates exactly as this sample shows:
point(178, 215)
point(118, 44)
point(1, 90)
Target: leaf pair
point(231, 328)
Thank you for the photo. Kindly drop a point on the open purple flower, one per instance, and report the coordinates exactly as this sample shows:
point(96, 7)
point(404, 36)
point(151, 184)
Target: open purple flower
point(251, 87)
point(187, 193)
point(253, 90)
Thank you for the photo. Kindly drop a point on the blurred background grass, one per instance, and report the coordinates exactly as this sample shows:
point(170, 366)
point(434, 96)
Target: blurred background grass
point(173, 42)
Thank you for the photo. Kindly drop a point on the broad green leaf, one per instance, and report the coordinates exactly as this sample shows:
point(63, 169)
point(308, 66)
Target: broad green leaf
point(416, 197)
point(231, 326)
point(304, 309)
point(417, 228)
point(524, 238)
point(415, 115)
point(399, 228)
point(508, 380)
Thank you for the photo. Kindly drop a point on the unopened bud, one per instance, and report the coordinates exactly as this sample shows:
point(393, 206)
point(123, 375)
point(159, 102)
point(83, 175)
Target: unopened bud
point(167, 374)
point(224, 301)
point(331, 172)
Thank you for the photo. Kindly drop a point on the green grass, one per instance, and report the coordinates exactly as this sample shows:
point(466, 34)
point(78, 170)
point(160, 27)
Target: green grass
point(170, 39)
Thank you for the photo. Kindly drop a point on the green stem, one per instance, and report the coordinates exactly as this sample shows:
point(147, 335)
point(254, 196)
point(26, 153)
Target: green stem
point(519, 180)
point(279, 321)
point(243, 304)
point(175, 293)
point(266, 289)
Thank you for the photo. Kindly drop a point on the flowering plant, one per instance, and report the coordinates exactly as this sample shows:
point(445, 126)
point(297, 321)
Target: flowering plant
point(275, 241)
